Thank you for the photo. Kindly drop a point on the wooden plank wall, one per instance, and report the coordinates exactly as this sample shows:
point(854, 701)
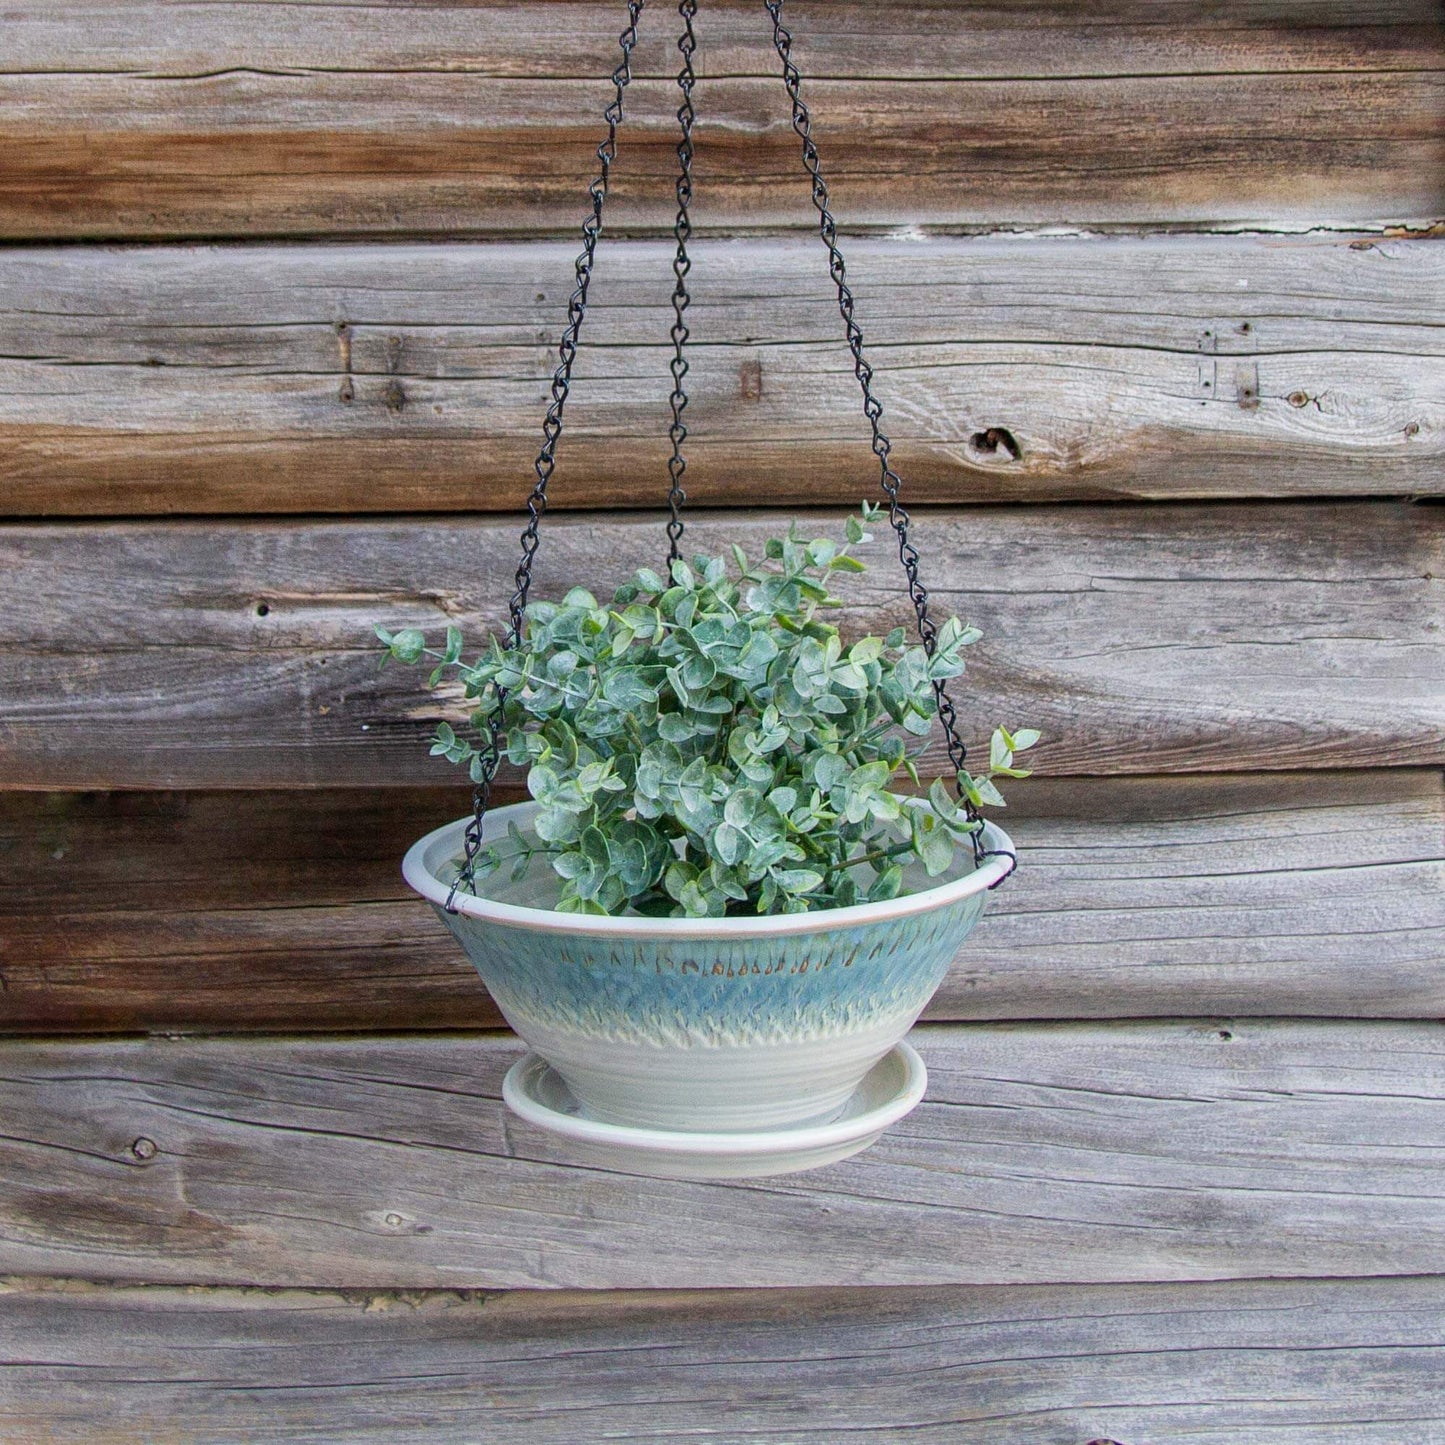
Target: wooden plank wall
point(1154, 292)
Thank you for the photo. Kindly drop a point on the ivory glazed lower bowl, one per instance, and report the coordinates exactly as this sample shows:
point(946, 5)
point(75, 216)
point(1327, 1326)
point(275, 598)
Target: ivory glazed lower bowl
point(705, 1024)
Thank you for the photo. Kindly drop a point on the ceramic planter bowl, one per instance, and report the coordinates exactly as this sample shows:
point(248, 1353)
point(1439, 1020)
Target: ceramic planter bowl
point(705, 1024)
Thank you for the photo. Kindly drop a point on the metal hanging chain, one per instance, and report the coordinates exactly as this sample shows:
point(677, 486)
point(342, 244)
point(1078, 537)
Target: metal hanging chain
point(873, 409)
point(681, 265)
point(490, 753)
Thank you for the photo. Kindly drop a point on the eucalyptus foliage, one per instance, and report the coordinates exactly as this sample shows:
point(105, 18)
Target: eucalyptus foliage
point(709, 745)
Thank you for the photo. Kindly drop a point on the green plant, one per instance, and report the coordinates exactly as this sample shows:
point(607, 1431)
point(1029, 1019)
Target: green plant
point(708, 745)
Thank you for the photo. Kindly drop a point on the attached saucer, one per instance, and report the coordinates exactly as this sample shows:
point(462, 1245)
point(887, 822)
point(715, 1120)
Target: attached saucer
point(535, 1092)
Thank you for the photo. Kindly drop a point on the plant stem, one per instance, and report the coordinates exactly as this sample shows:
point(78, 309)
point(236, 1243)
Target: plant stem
point(896, 851)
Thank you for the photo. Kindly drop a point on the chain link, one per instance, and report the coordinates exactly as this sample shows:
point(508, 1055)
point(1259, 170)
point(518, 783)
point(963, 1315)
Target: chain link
point(489, 755)
point(681, 265)
point(898, 517)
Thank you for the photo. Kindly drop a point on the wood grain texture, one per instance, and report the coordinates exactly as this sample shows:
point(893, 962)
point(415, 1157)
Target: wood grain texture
point(1207, 1364)
point(1044, 1153)
point(397, 377)
point(1140, 639)
point(153, 121)
point(1313, 894)
point(846, 38)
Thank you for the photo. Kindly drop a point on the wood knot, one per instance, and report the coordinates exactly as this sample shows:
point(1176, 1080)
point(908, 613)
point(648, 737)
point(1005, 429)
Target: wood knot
point(996, 439)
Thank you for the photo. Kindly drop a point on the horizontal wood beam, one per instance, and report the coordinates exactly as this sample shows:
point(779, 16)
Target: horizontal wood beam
point(148, 121)
point(1295, 1363)
point(1309, 894)
point(1140, 639)
point(1084, 1152)
point(577, 39)
point(367, 378)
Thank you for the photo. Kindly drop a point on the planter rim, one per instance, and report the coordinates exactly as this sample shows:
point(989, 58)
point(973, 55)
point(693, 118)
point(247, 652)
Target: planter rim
point(547, 920)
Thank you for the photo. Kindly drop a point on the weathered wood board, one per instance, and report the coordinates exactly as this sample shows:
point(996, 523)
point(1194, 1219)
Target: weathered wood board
point(258, 124)
point(1310, 894)
point(1211, 1364)
point(845, 38)
point(1083, 1152)
point(1140, 639)
point(367, 378)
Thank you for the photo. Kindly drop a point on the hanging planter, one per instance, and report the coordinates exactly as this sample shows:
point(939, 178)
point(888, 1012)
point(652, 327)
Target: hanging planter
point(663, 1027)
point(716, 920)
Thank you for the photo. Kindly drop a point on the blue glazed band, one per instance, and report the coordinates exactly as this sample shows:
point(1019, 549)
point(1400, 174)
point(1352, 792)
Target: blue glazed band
point(712, 990)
